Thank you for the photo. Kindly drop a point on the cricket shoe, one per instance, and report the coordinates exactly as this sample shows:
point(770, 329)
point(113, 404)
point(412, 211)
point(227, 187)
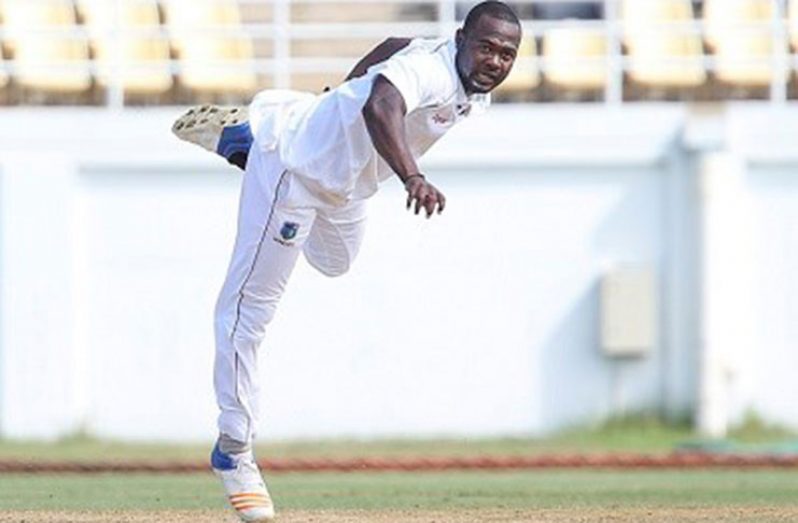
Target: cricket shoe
point(221, 130)
point(243, 485)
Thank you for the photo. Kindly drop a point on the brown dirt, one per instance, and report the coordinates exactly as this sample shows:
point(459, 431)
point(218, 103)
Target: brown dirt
point(602, 515)
point(680, 460)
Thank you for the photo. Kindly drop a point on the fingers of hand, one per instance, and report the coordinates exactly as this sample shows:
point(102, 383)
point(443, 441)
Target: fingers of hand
point(416, 193)
point(420, 197)
point(425, 196)
point(430, 202)
point(412, 187)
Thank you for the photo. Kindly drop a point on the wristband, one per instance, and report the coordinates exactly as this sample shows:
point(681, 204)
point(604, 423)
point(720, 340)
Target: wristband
point(413, 176)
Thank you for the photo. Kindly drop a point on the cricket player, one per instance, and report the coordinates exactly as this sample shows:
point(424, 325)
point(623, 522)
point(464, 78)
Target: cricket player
point(310, 163)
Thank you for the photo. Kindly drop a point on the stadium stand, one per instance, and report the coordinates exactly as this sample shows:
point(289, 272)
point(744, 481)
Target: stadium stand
point(664, 51)
point(161, 51)
point(525, 75)
point(347, 50)
point(4, 78)
point(217, 56)
point(568, 10)
point(49, 54)
point(575, 58)
point(792, 24)
point(739, 32)
point(143, 52)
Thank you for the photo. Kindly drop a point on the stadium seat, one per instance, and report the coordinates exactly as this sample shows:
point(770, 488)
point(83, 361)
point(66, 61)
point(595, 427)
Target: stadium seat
point(50, 55)
point(4, 78)
point(217, 17)
point(525, 75)
point(667, 60)
point(745, 61)
point(740, 34)
point(218, 65)
point(144, 55)
point(332, 12)
point(724, 18)
point(640, 16)
point(792, 21)
point(664, 51)
point(575, 58)
point(214, 57)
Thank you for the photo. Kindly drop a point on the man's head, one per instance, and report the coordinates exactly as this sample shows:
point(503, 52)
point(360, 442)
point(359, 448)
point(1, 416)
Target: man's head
point(487, 45)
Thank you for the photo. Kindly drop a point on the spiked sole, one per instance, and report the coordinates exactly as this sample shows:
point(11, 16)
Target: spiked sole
point(204, 125)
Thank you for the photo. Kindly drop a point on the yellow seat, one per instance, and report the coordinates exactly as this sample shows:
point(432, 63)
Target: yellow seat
point(663, 50)
point(575, 58)
point(219, 65)
point(4, 78)
point(133, 34)
point(640, 16)
point(725, 18)
point(48, 55)
point(315, 12)
point(25, 16)
point(525, 75)
point(186, 20)
point(792, 23)
point(740, 34)
point(745, 60)
point(667, 60)
point(212, 57)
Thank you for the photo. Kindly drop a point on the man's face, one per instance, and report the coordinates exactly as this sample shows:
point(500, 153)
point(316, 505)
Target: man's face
point(486, 53)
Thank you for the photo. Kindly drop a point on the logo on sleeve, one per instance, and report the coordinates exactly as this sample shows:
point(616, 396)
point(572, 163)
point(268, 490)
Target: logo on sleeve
point(441, 119)
point(287, 233)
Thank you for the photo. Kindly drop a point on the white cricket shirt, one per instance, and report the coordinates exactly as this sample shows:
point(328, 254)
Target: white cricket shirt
point(323, 139)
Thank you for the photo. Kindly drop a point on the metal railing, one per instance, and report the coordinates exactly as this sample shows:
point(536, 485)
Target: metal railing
point(281, 32)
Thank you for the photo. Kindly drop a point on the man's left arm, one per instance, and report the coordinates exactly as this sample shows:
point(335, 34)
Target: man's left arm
point(385, 50)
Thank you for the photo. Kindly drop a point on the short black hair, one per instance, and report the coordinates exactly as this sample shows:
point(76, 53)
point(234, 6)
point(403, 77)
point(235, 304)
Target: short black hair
point(490, 8)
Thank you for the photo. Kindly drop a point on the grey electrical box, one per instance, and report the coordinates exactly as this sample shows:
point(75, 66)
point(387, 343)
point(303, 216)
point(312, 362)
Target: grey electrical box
point(628, 312)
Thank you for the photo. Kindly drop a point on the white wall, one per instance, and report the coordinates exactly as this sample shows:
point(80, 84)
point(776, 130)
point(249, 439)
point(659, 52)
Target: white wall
point(114, 239)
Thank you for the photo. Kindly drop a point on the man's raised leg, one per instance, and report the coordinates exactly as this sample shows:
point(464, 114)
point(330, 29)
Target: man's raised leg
point(335, 239)
point(222, 130)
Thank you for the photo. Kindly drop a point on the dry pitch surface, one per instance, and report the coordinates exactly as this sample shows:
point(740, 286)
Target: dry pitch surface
point(621, 515)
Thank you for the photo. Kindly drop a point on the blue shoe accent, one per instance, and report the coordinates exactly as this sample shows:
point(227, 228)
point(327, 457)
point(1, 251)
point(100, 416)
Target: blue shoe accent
point(235, 139)
point(220, 460)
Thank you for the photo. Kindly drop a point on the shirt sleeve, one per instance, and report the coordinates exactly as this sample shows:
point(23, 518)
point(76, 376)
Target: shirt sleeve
point(420, 78)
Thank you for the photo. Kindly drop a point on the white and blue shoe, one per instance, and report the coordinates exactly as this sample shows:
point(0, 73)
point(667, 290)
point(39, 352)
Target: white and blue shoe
point(243, 485)
point(221, 130)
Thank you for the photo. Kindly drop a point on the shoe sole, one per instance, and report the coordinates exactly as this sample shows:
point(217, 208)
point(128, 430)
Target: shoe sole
point(204, 125)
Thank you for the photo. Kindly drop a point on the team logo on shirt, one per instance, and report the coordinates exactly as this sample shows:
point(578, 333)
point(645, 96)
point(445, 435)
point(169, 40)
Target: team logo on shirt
point(287, 233)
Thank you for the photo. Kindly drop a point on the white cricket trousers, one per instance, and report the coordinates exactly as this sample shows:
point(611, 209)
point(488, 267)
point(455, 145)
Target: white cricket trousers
point(276, 221)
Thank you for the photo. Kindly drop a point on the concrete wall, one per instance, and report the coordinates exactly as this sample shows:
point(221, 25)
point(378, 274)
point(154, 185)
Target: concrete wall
point(114, 239)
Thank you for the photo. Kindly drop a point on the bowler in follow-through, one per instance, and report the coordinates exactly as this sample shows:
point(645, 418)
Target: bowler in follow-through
point(310, 164)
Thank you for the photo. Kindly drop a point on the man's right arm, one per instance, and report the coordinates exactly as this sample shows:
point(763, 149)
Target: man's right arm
point(384, 113)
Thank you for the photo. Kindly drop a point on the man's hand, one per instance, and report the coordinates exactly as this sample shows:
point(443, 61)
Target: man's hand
point(424, 194)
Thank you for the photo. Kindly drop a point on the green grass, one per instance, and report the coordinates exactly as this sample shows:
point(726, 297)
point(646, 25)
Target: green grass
point(554, 489)
point(367, 491)
point(638, 434)
point(632, 434)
